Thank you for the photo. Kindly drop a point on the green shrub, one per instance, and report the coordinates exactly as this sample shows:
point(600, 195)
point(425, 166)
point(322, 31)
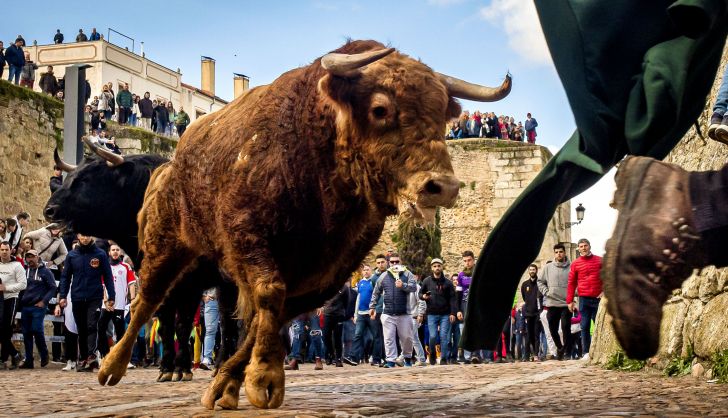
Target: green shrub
point(720, 366)
point(619, 361)
point(680, 366)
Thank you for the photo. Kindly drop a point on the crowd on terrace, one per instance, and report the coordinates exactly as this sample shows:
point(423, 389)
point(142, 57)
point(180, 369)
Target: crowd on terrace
point(488, 125)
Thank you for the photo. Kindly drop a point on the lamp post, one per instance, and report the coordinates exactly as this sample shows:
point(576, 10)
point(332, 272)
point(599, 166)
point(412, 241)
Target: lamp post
point(579, 217)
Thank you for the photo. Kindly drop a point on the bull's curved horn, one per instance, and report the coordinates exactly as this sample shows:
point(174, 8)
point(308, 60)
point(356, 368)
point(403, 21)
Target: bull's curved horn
point(62, 164)
point(469, 91)
point(112, 159)
point(347, 64)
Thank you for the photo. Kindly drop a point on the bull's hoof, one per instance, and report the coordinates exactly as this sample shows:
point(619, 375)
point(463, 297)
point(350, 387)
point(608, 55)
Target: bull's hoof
point(113, 368)
point(264, 384)
point(165, 376)
point(187, 376)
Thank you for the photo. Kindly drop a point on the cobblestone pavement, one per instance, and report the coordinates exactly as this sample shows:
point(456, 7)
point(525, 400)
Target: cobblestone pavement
point(520, 389)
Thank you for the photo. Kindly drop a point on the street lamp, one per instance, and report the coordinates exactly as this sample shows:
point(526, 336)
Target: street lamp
point(579, 217)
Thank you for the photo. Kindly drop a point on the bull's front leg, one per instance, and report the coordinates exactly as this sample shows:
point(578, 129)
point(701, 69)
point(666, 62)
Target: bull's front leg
point(264, 375)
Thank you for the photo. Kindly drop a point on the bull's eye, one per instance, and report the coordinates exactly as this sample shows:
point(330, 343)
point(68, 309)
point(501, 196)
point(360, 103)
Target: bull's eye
point(380, 112)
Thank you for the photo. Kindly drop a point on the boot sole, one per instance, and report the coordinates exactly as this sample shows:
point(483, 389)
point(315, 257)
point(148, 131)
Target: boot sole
point(626, 195)
point(721, 134)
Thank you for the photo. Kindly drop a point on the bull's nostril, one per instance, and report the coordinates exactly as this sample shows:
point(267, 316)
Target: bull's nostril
point(432, 187)
point(49, 211)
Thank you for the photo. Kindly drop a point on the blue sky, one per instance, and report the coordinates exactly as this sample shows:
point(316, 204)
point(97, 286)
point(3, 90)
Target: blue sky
point(476, 40)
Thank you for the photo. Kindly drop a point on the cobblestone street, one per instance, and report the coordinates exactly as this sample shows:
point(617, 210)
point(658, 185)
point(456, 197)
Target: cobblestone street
point(519, 389)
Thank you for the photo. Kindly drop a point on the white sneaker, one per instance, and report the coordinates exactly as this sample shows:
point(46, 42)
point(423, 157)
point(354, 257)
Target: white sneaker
point(586, 357)
point(71, 365)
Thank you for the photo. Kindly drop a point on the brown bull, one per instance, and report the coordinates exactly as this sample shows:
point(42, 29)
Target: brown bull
point(287, 189)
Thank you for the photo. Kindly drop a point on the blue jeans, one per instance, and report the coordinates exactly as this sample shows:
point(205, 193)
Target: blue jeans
point(316, 343)
point(588, 308)
point(133, 119)
point(32, 323)
point(211, 322)
point(444, 322)
point(721, 101)
point(348, 336)
point(14, 72)
point(363, 324)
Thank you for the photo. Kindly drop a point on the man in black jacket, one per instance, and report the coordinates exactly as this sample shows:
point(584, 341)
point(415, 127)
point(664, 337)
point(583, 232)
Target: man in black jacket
point(531, 310)
point(441, 298)
point(40, 289)
point(15, 58)
point(147, 110)
point(86, 267)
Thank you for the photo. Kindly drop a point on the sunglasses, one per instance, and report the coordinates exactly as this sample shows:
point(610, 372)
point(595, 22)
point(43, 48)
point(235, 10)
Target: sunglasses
point(393, 261)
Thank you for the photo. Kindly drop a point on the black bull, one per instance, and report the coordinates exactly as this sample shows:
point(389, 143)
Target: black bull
point(101, 198)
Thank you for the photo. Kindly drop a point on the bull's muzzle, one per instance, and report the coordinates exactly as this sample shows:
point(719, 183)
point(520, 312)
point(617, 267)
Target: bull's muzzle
point(441, 190)
point(50, 211)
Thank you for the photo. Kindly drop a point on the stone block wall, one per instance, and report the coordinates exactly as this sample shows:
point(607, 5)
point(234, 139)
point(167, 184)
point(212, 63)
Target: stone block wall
point(493, 174)
point(30, 127)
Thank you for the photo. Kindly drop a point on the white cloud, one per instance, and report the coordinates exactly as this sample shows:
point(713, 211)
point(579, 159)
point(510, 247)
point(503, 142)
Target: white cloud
point(519, 20)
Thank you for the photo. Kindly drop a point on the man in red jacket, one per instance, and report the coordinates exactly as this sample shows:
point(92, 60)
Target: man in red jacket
point(584, 277)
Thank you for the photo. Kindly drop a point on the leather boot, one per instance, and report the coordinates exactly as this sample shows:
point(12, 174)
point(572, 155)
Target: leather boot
point(319, 365)
point(653, 249)
point(292, 365)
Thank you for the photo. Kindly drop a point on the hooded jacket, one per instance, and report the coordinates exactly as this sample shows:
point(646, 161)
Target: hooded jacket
point(88, 267)
point(553, 283)
point(41, 286)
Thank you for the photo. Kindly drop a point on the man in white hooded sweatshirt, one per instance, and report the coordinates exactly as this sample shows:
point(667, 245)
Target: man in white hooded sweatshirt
point(12, 281)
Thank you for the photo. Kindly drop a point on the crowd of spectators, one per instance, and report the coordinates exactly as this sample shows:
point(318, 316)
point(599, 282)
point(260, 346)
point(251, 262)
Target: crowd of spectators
point(124, 107)
point(488, 125)
point(384, 316)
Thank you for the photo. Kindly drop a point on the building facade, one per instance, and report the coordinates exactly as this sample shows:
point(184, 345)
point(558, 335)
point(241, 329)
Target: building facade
point(110, 63)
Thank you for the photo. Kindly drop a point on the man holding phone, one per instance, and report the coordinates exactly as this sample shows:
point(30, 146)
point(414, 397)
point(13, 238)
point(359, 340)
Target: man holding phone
point(439, 294)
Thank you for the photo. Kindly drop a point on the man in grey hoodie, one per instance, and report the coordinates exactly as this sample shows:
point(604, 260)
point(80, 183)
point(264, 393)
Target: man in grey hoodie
point(552, 284)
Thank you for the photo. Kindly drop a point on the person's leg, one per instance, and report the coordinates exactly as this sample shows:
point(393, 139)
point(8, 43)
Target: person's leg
point(585, 324)
point(565, 319)
point(39, 334)
point(357, 346)
point(416, 343)
point(316, 343)
point(211, 320)
point(338, 338)
point(26, 321)
point(70, 341)
point(298, 330)
point(103, 343)
point(120, 324)
point(6, 329)
point(79, 314)
point(92, 316)
point(405, 332)
point(549, 336)
point(554, 317)
point(389, 329)
point(443, 321)
point(378, 339)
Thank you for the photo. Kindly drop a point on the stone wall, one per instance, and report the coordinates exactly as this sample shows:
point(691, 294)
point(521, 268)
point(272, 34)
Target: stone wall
point(695, 316)
point(30, 126)
point(492, 173)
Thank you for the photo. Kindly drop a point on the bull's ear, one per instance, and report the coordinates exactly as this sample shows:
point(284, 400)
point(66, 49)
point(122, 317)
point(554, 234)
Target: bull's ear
point(453, 108)
point(338, 89)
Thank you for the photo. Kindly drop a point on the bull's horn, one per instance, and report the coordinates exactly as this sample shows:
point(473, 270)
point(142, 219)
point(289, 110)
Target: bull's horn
point(469, 91)
point(62, 164)
point(347, 64)
point(111, 159)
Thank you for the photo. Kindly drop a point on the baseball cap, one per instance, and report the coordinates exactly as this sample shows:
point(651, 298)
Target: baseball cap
point(436, 260)
point(32, 252)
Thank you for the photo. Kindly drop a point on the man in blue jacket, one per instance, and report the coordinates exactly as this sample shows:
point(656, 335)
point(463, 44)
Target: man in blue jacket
point(15, 58)
point(39, 291)
point(85, 269)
